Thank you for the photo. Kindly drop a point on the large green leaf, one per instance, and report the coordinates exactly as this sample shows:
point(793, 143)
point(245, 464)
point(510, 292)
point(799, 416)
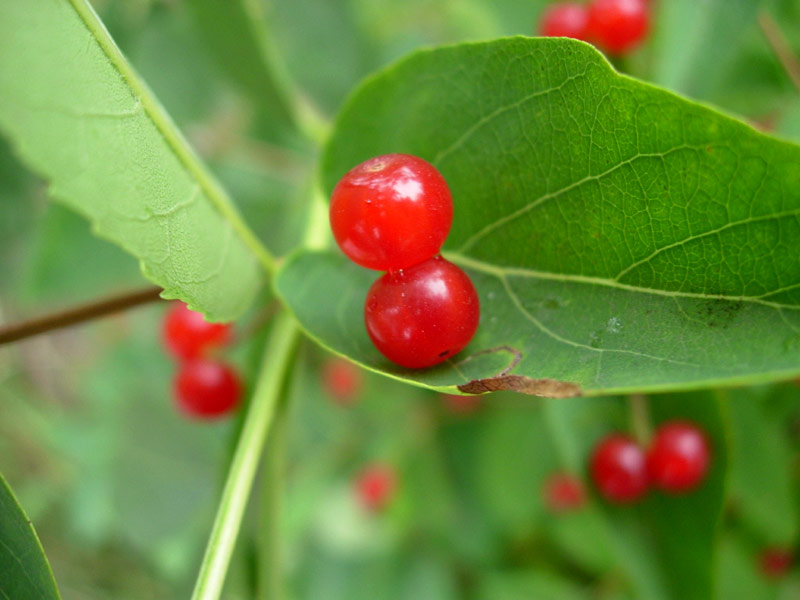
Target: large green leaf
point(80, 117)
point(620, 237)
point(24, 571)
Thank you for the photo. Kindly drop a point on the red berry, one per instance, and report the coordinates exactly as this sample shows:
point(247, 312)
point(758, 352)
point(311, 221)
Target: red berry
point(775, 562)
point(207, 388)
point(391, 212)
point(563, 492)
point(619, 470)
point(565, 19)
point(618, 26)
point(376, 485)
point(462, 405)
point(420, 316)
point(678, 457)
point(342, 380)
point(188, 335)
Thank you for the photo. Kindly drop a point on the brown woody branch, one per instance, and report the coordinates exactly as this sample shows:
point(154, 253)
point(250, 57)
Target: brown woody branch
point(78, 314)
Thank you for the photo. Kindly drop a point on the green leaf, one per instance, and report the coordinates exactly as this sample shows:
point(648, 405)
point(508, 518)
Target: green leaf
point(620, 238)
point(79, 116)
point(24, 570)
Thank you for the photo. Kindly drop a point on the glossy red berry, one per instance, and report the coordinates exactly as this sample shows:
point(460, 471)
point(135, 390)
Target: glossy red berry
point(775, 562)
point(679, 457)
point(391, 212)
point(462, 405)
point(421, 316)
point(342, 380)
point(376, 485)
point(207, 388)
point(619, 469)
point(563, 492)
point(618, 26)
point(565, 19)
point(187, 335)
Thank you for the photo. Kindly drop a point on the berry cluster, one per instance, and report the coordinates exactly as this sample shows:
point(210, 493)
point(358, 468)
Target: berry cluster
point(676, 462)
point(204, 387)
point(392, 213)
point(615, 26)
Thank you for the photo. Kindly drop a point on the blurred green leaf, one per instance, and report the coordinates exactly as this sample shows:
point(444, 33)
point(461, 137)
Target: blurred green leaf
point(79, 116)
point(24, 570)
point(696, 42)
point(685, 527)
point(763, 486)
point(736, 573)
point(68, 264)
point(238, 36)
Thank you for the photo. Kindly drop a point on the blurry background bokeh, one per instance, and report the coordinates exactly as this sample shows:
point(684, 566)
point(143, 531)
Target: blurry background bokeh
point(123, 490)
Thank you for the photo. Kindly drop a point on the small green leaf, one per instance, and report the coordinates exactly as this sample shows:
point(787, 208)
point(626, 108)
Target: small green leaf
point(621, 238)
point(24, 570)
point(79, 116)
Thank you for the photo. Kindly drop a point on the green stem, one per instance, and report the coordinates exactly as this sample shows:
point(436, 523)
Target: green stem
point(269, 543)
point(640, 418)
point(260, 416)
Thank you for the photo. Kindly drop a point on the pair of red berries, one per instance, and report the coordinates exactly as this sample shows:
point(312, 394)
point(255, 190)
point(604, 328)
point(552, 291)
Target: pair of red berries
point(392, 213)
point(204, 387)
point(616, 26)
point(676, 462)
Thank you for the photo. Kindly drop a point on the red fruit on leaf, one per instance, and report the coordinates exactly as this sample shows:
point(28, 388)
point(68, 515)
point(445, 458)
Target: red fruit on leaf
point(775, 562)
point(619, 470)
point(423, 315)
point(342, 380)
point(679, 457)
point(618, 26)
point(391, 212)
point(376, 485)
point(565, 19)
point(187, 335)
point(207, 388)
point(563, 492)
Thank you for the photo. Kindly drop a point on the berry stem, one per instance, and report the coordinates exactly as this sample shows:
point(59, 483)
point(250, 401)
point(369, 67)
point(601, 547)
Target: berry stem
point(260, 416)
point(780, 46)
point(77, 314)
point(640, 418)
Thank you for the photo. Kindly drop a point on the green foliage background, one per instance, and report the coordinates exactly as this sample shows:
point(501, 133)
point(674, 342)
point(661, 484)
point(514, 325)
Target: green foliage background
point(122, 490)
